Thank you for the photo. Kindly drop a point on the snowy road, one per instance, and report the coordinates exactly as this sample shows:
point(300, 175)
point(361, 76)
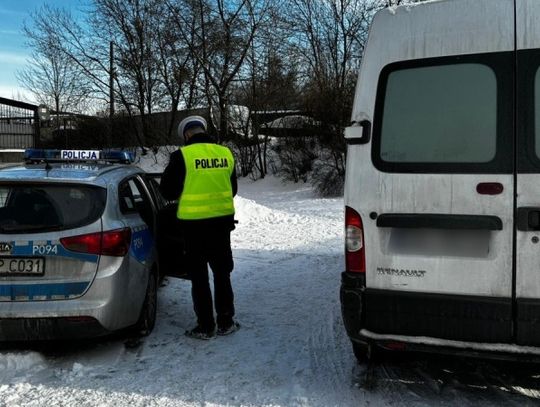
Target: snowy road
point(291, 351)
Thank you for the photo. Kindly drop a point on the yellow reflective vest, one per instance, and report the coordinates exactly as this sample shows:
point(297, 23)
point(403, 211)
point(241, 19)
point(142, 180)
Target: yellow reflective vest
point(207, 191)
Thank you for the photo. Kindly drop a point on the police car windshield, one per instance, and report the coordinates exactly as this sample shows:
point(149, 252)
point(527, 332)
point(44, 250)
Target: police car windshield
point(28, 208)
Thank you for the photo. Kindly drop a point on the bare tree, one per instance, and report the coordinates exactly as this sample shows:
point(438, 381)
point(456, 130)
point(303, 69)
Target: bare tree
point(84, 49)
point(260, 87)
point(130, 25)
point(178, 72)
point(269, 86)
point(329, 37)
point(154, 65)
point(49, 75)
point(224, 32)
point(78, 43)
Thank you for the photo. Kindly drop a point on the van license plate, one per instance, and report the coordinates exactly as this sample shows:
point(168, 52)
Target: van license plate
point(22, 266)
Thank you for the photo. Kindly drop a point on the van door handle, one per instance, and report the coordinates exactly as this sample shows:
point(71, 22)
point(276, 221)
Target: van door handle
point(439, 221)
point(528, 218)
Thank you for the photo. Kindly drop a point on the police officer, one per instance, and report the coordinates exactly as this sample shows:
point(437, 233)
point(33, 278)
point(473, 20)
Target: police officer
point(202, 176)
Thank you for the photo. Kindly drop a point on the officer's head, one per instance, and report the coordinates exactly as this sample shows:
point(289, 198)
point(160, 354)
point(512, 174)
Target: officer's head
point(190, 126)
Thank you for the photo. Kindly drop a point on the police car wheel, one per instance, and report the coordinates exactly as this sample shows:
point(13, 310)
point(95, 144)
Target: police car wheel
point(147, 317)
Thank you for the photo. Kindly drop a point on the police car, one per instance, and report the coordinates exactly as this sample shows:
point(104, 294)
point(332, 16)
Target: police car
point(78, 250)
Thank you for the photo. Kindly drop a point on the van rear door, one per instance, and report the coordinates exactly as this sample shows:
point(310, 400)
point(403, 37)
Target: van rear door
point(435, 186)
point(528, 186)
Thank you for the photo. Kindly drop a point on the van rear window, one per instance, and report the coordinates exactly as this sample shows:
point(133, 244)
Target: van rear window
point(28, 208)
point(442, 117)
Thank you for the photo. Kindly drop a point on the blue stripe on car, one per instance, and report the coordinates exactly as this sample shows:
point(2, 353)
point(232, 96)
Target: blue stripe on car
point(29, 291)
point(27, 250)
point(142, 242)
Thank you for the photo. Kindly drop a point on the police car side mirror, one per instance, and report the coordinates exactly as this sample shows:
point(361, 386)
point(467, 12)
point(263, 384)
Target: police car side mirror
point(358, 133)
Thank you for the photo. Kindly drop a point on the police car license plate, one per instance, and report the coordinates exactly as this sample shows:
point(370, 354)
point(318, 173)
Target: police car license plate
point(22, 266)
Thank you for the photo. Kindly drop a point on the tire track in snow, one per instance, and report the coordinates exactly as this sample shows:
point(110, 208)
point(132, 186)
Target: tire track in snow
point(422, 379)
point(329, 351)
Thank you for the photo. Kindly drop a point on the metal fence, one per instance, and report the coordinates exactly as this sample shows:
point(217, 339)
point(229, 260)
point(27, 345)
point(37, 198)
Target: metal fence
point(19, 124)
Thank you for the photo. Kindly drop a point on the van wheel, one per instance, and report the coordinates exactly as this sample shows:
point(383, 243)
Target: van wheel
point(147, 317)
point(364, 352)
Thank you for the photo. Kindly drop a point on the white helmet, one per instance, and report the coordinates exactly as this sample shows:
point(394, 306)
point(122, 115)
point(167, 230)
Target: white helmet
point(190, 122)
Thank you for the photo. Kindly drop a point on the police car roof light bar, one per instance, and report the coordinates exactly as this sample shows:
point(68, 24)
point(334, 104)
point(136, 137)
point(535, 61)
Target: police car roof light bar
point(34, 155)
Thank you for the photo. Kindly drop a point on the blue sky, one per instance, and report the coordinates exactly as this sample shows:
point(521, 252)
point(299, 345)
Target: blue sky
point(13, 52)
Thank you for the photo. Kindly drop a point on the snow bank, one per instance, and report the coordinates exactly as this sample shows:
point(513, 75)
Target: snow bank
point(15, 364)
point(278, 226)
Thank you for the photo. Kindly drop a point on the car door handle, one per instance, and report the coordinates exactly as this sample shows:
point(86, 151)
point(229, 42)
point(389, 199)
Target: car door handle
point(528, 218)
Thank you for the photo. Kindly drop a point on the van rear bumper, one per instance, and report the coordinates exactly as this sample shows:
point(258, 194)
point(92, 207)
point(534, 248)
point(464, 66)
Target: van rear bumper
point(453, 317)
point(472, 319)
point(528, 321)
point(450, 317)
point(501, 351)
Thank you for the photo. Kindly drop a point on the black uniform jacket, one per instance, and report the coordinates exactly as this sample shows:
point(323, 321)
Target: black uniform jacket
point(172, 185)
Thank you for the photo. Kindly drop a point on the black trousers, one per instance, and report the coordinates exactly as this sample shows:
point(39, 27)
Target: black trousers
point(210, 246)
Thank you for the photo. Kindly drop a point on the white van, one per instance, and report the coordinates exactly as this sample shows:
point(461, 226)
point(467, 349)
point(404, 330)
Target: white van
point(442, 189)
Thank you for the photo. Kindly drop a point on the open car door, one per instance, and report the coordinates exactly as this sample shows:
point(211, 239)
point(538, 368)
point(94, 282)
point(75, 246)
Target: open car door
point(169, 235)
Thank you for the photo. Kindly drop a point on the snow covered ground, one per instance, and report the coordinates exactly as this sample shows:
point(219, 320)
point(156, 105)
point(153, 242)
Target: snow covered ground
point(292, 349)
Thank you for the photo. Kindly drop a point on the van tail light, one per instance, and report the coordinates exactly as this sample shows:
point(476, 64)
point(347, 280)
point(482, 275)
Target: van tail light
point(111, 243)
point(399, 346)
point(355, 253)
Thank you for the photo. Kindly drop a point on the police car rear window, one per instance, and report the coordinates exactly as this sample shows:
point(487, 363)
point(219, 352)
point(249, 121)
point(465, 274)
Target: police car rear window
point(38, 208)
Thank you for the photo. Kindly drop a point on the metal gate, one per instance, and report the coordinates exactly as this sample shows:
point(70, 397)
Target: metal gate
point(19, 124)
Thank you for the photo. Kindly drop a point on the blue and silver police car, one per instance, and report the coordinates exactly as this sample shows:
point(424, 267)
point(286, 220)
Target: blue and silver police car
point(78, 249)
